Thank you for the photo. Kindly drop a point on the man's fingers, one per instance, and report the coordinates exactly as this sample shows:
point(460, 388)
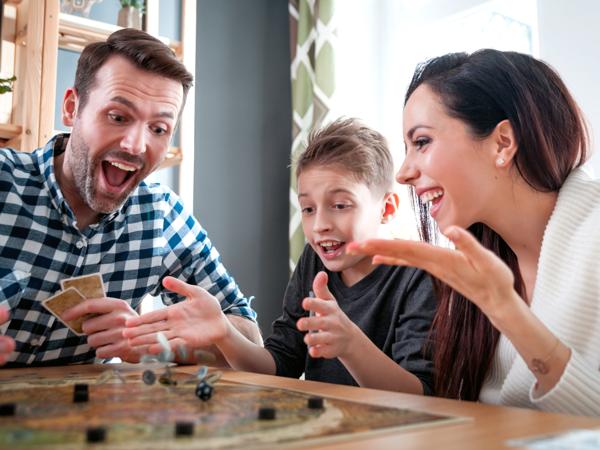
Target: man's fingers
point(106, 337)
point(96, 306)
point(182, 288)
point(147, 328)
point(4, 315)
point(153, 316)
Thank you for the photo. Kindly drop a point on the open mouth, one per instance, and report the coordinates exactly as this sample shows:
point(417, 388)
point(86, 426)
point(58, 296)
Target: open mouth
point(117, 174)
point(331, 248)
point(432, 198)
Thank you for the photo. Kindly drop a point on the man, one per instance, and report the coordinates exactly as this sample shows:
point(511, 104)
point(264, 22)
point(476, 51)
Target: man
point(79, 205)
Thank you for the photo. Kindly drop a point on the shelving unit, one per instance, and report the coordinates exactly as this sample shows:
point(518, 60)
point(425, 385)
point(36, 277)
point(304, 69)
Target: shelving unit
point(32, 33)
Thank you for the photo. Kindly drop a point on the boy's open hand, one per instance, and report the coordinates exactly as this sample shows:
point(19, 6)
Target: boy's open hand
point(335, 331)
point(196, 322)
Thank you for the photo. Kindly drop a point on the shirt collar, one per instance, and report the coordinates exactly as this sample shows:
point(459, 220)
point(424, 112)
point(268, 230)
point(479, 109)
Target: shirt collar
point(53, 148)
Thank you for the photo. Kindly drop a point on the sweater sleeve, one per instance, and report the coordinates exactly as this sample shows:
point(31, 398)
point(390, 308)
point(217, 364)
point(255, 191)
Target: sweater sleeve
point(412, 329)
point(286, 342)
point(577, 391)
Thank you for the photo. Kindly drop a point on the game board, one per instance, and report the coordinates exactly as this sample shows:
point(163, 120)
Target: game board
point(140, 416)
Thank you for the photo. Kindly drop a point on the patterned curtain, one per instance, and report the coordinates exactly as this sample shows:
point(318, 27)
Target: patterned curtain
point(312, 36)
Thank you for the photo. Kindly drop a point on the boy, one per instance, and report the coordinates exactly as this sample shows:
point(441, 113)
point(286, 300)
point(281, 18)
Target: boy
point(361, 324)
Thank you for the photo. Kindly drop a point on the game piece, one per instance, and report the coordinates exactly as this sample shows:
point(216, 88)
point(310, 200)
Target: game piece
point(80, 396)
point(95, 434)
point(80, 387)
point(90, 286)
point(7, 409)
point(59, 303)
point(108, 375)
point(266, 413)
point(184, 428)
point(204, 391)
point(148, 377)
point(315, 403)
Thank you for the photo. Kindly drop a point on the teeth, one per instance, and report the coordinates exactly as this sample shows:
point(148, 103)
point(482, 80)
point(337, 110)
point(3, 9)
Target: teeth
point(431, 195)
point(328, 243)
point(123, 166)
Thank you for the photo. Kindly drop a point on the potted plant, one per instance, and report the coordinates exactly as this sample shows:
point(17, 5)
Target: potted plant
point(130, 14)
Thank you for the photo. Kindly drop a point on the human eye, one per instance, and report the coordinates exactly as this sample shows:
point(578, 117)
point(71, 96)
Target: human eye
point(159, 130)
point(420, 142)
point(117, 117)
point(307, 210)
point(341, 206)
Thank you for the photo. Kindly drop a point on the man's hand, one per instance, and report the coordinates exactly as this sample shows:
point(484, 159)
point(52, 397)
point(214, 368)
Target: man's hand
point(105, 330)
point(336, 332)
point(195, 323)
point(7, 344)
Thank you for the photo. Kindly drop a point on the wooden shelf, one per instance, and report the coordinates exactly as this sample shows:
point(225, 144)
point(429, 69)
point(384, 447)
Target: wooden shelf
point(75, 32)
point(9, 131)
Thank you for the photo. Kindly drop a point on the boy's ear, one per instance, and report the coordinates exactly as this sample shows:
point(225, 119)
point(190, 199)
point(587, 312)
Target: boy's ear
point(505, 144)
point(390, 206)
point(69, 106)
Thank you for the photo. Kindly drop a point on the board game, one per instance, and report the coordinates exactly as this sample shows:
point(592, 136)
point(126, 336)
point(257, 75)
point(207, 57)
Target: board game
point(140, 416)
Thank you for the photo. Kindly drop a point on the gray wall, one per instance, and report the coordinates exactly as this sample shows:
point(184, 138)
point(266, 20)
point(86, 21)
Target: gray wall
point(243, 137)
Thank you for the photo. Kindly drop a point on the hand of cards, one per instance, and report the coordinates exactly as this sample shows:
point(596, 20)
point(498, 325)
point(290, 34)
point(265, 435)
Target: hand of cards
point(74, 291)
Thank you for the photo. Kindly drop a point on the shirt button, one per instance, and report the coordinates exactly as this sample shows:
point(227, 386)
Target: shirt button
point(80, 244)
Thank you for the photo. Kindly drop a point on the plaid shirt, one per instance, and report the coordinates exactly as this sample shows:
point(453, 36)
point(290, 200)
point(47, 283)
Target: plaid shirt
point(149, 237)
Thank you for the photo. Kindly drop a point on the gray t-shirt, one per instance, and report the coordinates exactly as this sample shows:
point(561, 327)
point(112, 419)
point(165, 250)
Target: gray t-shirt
point(393, 306)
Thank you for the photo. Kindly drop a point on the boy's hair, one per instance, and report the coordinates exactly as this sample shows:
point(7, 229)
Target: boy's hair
point(354, 147)
point(139, 48)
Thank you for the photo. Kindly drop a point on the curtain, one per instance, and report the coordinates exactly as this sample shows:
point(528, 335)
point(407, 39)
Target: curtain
point(312, 38)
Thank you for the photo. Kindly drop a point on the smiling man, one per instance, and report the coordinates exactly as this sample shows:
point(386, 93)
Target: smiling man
point(79, 206)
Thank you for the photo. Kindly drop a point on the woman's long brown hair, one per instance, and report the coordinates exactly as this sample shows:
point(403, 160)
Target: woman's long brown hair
point(482, 89)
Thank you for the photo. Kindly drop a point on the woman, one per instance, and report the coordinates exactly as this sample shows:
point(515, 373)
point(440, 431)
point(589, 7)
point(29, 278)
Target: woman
point(494, 145)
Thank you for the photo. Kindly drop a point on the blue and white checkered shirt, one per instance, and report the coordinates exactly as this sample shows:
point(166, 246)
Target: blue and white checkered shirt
point(149, 237)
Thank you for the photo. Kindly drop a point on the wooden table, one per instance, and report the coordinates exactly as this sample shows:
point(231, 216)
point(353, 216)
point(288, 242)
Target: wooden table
point(485, 427)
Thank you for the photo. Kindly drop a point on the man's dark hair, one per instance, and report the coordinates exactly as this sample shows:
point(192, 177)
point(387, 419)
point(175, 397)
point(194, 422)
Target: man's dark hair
point(138, 47)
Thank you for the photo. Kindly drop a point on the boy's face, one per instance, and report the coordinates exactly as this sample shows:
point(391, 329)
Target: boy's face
point(338, 209)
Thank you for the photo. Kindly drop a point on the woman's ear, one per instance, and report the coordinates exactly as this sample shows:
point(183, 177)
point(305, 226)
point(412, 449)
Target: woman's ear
point(390, 206)
point(69, 106)
point(506, 144)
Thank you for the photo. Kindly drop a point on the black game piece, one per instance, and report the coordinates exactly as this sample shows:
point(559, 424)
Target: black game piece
point(204, 391)
point(184, 428)
point(266, 413)
point(96, 434)
point(80, 387)
point(149, 377)
point(7, 409)
point(81, 396)
point(315, 403)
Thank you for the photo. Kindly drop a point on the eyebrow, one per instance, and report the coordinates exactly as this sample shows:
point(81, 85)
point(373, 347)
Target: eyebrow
point(410, 132)
point(130, 104)
point(331, 192)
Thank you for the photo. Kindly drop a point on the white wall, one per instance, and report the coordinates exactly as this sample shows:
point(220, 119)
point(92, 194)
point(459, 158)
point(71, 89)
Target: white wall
point(569, 39)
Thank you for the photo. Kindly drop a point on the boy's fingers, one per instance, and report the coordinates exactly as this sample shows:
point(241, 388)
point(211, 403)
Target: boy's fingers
point(318, 305)
point(320, 288)
point(311, 323)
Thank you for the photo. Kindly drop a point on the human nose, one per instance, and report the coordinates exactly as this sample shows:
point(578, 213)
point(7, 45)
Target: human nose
point(134, 140)
point(408, 171)
point(321, 221)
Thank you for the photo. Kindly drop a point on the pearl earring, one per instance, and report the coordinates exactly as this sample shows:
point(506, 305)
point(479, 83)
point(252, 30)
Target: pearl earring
point(500, 161)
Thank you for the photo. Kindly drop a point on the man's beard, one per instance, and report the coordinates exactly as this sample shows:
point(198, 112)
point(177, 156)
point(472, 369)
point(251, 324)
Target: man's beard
point(85, 175)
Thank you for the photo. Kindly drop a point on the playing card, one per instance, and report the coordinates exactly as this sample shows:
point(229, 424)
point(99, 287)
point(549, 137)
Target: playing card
point(90, 286)
point(59, 303)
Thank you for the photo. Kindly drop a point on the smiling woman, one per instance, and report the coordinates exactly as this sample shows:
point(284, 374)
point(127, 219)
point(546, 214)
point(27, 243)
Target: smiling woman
point(494, 144)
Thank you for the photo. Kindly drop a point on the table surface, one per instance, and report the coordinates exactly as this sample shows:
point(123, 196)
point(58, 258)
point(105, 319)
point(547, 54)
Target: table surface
point(484, 427)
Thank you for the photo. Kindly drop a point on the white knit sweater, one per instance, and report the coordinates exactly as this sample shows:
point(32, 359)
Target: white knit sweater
point(567, 299)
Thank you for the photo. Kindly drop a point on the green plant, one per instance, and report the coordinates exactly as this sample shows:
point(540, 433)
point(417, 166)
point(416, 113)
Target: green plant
point(138, 4)
point(6, 84)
